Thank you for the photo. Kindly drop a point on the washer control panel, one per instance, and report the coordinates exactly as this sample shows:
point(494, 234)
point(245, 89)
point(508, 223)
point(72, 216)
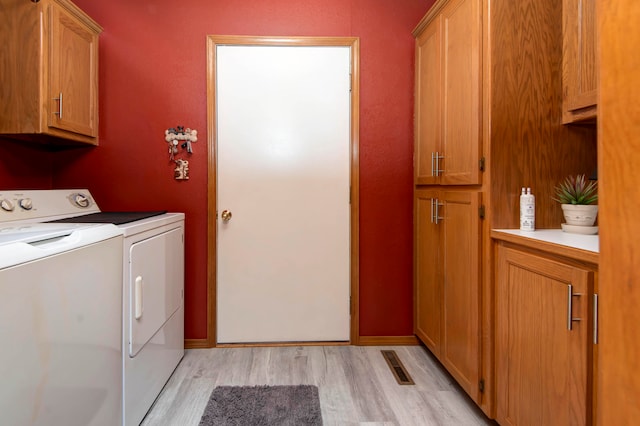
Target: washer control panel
point(25, 203)
point(80, 200)
point(9, 205)
point(6, 205)
point(43, 205)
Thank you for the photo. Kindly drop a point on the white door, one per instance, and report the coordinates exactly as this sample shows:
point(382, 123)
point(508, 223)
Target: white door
point(283, 168)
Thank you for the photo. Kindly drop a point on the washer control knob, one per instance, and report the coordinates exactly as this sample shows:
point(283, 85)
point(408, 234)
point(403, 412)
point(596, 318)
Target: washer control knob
point(26, 204)
point(6, 205)
point(80, 200)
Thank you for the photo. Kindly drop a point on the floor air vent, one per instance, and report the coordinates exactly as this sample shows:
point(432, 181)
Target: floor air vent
point(398, 370)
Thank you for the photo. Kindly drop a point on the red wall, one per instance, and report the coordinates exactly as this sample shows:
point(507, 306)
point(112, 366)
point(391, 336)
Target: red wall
point(152, 76)
point(24, 165)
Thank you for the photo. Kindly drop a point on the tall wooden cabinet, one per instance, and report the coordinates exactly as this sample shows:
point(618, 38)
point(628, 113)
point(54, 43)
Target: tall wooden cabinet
point(447, 290)
point(448, 95)
point(50, 71)
point(488, 100)
point(447, 170)
point(579, 61)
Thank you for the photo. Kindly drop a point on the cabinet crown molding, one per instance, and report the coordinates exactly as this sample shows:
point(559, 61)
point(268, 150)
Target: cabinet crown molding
point(78, 14)
point(429, 16)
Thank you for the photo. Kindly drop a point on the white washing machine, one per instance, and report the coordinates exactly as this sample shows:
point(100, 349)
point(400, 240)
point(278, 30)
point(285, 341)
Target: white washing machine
point(60, 316)
point(152, 283)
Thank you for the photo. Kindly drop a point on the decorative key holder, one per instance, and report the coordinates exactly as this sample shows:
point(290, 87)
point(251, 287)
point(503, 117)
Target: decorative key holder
point(182, 138)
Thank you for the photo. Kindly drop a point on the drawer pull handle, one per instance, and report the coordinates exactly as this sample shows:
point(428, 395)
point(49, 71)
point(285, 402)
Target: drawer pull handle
point(595, 319)
point(438, 157)
point(433, 167)
point(59, 112)
point(570, 296)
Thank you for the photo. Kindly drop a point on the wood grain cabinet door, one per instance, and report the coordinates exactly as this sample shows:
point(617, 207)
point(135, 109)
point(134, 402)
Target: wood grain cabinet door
point(542, 346)
point(460, 234)
point(447, 281)
point(73, 74)
point(461, 93)
point(428, 114)
point(51, 72)
point(579, 60)
point(448, 144)
point(428, 271)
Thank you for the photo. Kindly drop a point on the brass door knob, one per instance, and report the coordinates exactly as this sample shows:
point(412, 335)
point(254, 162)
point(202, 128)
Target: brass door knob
point(226, 215)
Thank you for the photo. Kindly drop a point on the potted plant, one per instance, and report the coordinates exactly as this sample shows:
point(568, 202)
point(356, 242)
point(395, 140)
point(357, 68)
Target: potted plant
point(578, 196)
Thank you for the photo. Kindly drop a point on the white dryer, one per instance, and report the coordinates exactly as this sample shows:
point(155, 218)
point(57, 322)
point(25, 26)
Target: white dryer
point(152, 299)
point(153, 334)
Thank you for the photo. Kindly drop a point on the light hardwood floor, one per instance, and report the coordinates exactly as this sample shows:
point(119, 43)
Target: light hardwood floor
point(355, 384)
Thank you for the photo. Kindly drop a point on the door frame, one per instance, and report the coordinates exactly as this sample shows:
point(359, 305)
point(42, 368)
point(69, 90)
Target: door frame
point(213, 41)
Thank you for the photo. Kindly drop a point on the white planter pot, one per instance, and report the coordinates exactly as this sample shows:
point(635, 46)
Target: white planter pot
point(580, 215)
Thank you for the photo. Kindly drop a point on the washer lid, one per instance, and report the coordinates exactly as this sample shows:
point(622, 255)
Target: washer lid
point(20, 243)
point(34, 232)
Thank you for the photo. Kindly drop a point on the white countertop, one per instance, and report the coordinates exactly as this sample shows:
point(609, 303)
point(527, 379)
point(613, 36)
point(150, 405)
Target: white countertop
point(558, 236)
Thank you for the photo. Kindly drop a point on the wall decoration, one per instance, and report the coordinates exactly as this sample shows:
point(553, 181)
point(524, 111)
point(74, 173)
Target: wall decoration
point(180, 138)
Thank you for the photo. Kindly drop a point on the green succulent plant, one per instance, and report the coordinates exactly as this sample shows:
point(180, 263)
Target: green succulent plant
point(577, 190)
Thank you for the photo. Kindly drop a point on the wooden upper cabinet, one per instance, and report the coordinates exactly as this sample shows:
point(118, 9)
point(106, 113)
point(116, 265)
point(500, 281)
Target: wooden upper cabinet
point(73, 75)
point(448, 145)
point(579, 61)
point(428, 114)
point(50, 87)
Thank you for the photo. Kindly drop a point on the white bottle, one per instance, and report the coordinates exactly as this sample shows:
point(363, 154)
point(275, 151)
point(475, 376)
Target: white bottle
point(523, 195)
point(527, 211)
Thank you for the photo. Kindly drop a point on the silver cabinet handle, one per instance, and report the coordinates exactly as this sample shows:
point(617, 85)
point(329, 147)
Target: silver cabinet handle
point(59, 112)
point(432, 208)
point(570, 318)
point(595, 319)
point(433, 167)
point(438, 169)
point(435, 163)
point(437, 217)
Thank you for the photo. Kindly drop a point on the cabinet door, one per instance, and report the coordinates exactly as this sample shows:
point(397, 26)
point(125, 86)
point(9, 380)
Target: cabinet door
point(428, 278)
point(428, 114)
point(73, 76)
point(579, 66)
point(541, 361)
point(461, 92)
point(460, 352)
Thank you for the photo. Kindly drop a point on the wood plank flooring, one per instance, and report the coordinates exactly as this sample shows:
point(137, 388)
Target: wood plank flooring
point(355, 384)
